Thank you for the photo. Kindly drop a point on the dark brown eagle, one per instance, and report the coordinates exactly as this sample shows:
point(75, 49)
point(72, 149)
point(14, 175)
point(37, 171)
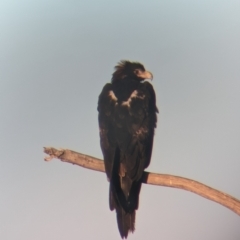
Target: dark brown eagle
point(127, 119)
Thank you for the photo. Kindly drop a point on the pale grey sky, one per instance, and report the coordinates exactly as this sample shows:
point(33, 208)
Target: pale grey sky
point(55, 58)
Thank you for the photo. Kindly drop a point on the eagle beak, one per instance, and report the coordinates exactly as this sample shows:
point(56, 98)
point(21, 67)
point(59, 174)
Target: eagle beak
point(150, 76)
point(146, 75)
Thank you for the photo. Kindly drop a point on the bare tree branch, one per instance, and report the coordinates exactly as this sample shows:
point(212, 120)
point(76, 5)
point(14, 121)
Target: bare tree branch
point(166, 180)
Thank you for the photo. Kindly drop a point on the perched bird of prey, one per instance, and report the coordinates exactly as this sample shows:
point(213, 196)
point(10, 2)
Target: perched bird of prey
point(127, 119)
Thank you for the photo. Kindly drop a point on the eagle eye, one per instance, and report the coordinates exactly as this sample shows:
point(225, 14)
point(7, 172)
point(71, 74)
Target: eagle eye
point(136, 71)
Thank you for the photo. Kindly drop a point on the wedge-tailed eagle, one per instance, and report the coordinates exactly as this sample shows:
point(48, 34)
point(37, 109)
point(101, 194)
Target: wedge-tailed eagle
point(127, 119)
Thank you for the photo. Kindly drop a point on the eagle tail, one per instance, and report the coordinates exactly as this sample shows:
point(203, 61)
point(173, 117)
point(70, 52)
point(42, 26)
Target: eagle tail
point(126, 221)
point(124, 197)
point(125, 209)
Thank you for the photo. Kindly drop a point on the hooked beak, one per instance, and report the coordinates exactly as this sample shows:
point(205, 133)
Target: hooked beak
point(145, 75)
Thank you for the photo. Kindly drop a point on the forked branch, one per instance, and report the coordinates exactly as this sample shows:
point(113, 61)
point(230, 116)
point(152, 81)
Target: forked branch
point(166, 180)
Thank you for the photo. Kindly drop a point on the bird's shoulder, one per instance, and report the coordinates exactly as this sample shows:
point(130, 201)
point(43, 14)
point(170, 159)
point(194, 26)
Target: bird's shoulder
point(124, 93)
point(104, 98)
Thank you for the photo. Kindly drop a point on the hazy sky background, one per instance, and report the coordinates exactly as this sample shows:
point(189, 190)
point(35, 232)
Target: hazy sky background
point(55, 57)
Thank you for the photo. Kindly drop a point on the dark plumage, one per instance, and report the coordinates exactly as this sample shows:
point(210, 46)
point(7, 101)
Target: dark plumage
point(127, 119)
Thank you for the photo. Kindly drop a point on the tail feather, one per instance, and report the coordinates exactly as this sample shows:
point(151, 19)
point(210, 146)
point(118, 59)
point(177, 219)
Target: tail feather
point(123, 196)
point(126, 222)
point(125, 208)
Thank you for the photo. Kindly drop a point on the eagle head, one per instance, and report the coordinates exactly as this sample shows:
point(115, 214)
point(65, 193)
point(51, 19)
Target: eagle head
point(133, 70)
